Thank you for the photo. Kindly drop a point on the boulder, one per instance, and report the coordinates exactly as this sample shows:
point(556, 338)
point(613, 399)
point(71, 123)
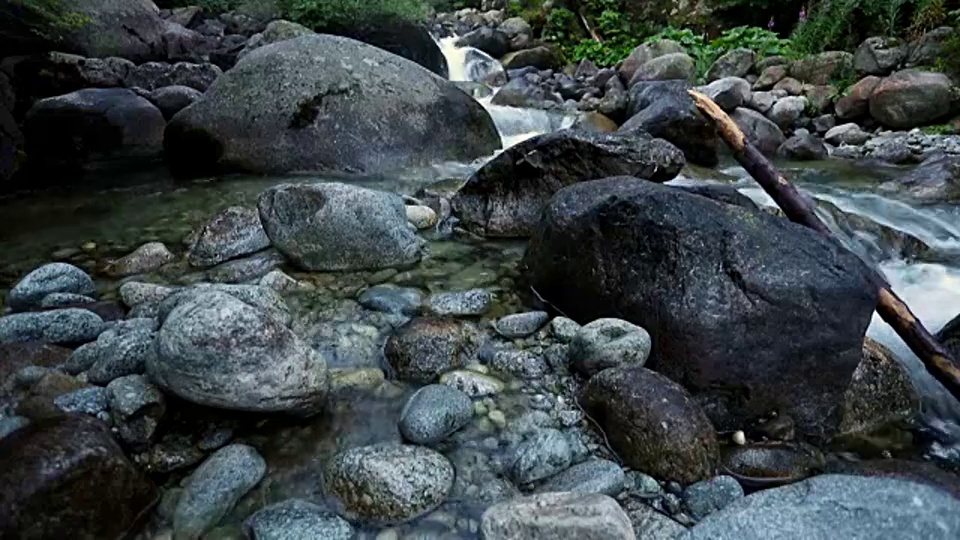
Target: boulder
point(760, 131)
point(146, 258)
point(425, 348)
point(172, 99)
point(822, 68)
point(217, 350)
point(489, 40)
point(275, 32)
point(733, 63)
point(333, 226)
point(665, 110)
point(855, 102)
point(331, 104)
point(770, 77)
point(762, 102)
point(137, 408)
point(557, 515)
point(504, 198)
point(836, 506)
point(541, 57)
point(708, 496)
point(594, 122)
point(49, 279)
point(949, 336)
point(880, 394)
point(433, 413)
point(789, 86)
point(16, 356)
point(664, 68)
point(728, 92)
point(234, 232)
point(849, 133)
point(518, 31)
point(652, 423)
point(786, 111)
point(60, 326)
point(803, 147)
point(819, 98)
point(926, 50)
point(879, 56)
point(51, 74)
point(524, 93)
point(935, 180)
point(911, 98)
point(801, 350)
point(397, 36)
point(521, 325)
point(295, 518)
point(93, 129)
point(645, 52)
point(70, 480)
point(591, 476)
point(153, 75)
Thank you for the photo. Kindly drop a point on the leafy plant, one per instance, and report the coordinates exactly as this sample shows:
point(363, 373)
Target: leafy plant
point(322, 13)
point(705, 53)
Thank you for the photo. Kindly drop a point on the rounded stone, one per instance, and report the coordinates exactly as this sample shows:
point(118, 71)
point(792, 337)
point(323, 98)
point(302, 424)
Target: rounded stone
point(433, 413)
point(540, 455)
point(49, 278)
point(521, 325)
point(425, 348)
point(297, 519)
point(709, 496)
point(593, 476)
point(607, 343)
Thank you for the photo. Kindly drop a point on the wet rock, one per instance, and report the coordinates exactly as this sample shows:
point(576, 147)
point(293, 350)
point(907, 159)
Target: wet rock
point(425, 348)
point(564, 330)
point(733, 63)
point(936, 180)
point(329, 227)
point(519, 364)
point(504, 198)
point(276, 31)
point(880, 394)
point(134, 293)
point(521, 325)
point(673, 66)
point(762, 102)
point(822, 68)
point(557, 515)
point(48, 279)
point(421, 217)
point(522, 92)
point(594, 122)
point(258, 297)
point(489, 40)
point(70, 480)
point(824, 123)
point(300, 84)
point(234, 232)
point(211, 492)
point(788, 110)
point(728, 92)
point(296, 519)
point(388, 483)
point(835, 506)
point(803, 147)
point(541, 454)
point(472, 383)
point(879, 56)
point(772, 464)
point(200, 358)
point(56, 300)
point(172, 99)
point(664, 109)
point(246, 269)
point(855, 102)
point(541, 57)
point(576, 267)
point(911, 98)
point(849, 133)
point(60, 326)
point(10, 424)
point(709, 496)
point(652, 423)
point(472, 303)
point(771, 76)
point(392, 299)
point(279, 281)
point(650, 524)
point(137, 408)
point(92, 401)
point(144, 259)
point(433, 413)
point(593, 476)
point(607, 343)
point(153, 75)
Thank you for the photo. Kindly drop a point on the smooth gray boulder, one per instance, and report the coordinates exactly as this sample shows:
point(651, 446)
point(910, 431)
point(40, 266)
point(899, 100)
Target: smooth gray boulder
point(61, 326)
point(297, 519)
point(234, 232)
point(912, 98)
point(48, 279)
point(433, 413)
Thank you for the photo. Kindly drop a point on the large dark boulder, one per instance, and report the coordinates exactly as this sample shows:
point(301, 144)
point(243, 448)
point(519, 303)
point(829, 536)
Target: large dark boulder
point(936, 180)
point(911, 98)
point(67, 478)
point(665, 110)
point(327, 103)
point(748, 311)
point(400, 37)
point(505, 197)
point(11, 146)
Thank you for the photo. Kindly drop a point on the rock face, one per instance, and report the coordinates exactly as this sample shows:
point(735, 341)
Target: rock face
point(652, 423)
point(326, 103)
point(71, 479)
point(49, 279)
point(835, 506)
point(911, 98)
point(388, 483)
point(664, 109)
point(234, 232)
point(802, 349)
point(557, 515)
point(91, 129)
point(329, 227)
point(505, 197)
point(225, 351)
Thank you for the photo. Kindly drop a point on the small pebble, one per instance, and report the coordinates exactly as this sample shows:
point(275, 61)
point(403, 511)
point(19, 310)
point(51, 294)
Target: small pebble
point(739, 438)
point(498, 418)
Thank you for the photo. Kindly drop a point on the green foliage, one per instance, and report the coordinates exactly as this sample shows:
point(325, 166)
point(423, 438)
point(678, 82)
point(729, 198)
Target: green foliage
point(705, 53)
point(618, 34)
point(949, 61)
point(212, 6)
point(941, 129)
point(324, 13)
point(52, 17)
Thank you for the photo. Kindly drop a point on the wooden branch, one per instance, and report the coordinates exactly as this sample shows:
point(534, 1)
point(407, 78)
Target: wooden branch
point(799, 209)
point(586, 24)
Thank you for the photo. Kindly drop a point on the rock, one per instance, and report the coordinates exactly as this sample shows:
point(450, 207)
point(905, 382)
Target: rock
point(771, 76)
point(911, 98)
point(234, 232)
point(154, 75)
point(849, 133)
point(472, 383)
point(650, 524)
point(926, 50)
point(433, 413)
point(665, 68)
point(71, 480)
point(172, 99)
point(425, 348)
point(541, 454)
point(645, 52)
point(760, 131)
point(296, 519)
point(60, 326)
point(281, 282)
point(819, 99)
point(880, 394)
point(557, 515)
point(48, 279)
point(652, 423)
point(396, 35)
point(921, 472)
point(594, 122)
point(16, 356)
point(787, 111)
point(822, 68)
point(211, 492)
point(298, 86)
point(564, 330)
point(333, 226)
point(664, 109)
point(890, 149)
point(92, 401)
point(856, 101)
point(93, 129)
point(824, 123)
point(504, 198)
point(805, 147)
point(593, 476)
point(575, 267)
point(936, 180)
point(275, 32)
point(523, 93)
point(728, 92)
point(518, 31)
point(521, 325)
point(200, 359)
point(472, 303)
point(879, 56)
point(388, 483)
point(709, 496)
point(733, 63)
point(246, 269)
point(392, 299)
point(541, 57)
point(421, 217)
point(58, 300)
point(762, 102)
point(266, 300)
point(835, 506)
point(114, 354)
point(789, 85)
point(135, 293)
point(137, 407)
point(489, 40)
point(607, 343)
point(519, 364)
point(143, 260)
point(10, 424)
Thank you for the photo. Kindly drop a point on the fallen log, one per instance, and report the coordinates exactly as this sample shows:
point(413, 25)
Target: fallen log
point(799, 209)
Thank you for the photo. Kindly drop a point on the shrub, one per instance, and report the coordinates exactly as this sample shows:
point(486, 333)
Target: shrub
point(325, 13)
point(705, 53)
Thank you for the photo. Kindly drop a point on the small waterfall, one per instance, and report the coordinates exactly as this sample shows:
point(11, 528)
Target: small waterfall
point(468, 63)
